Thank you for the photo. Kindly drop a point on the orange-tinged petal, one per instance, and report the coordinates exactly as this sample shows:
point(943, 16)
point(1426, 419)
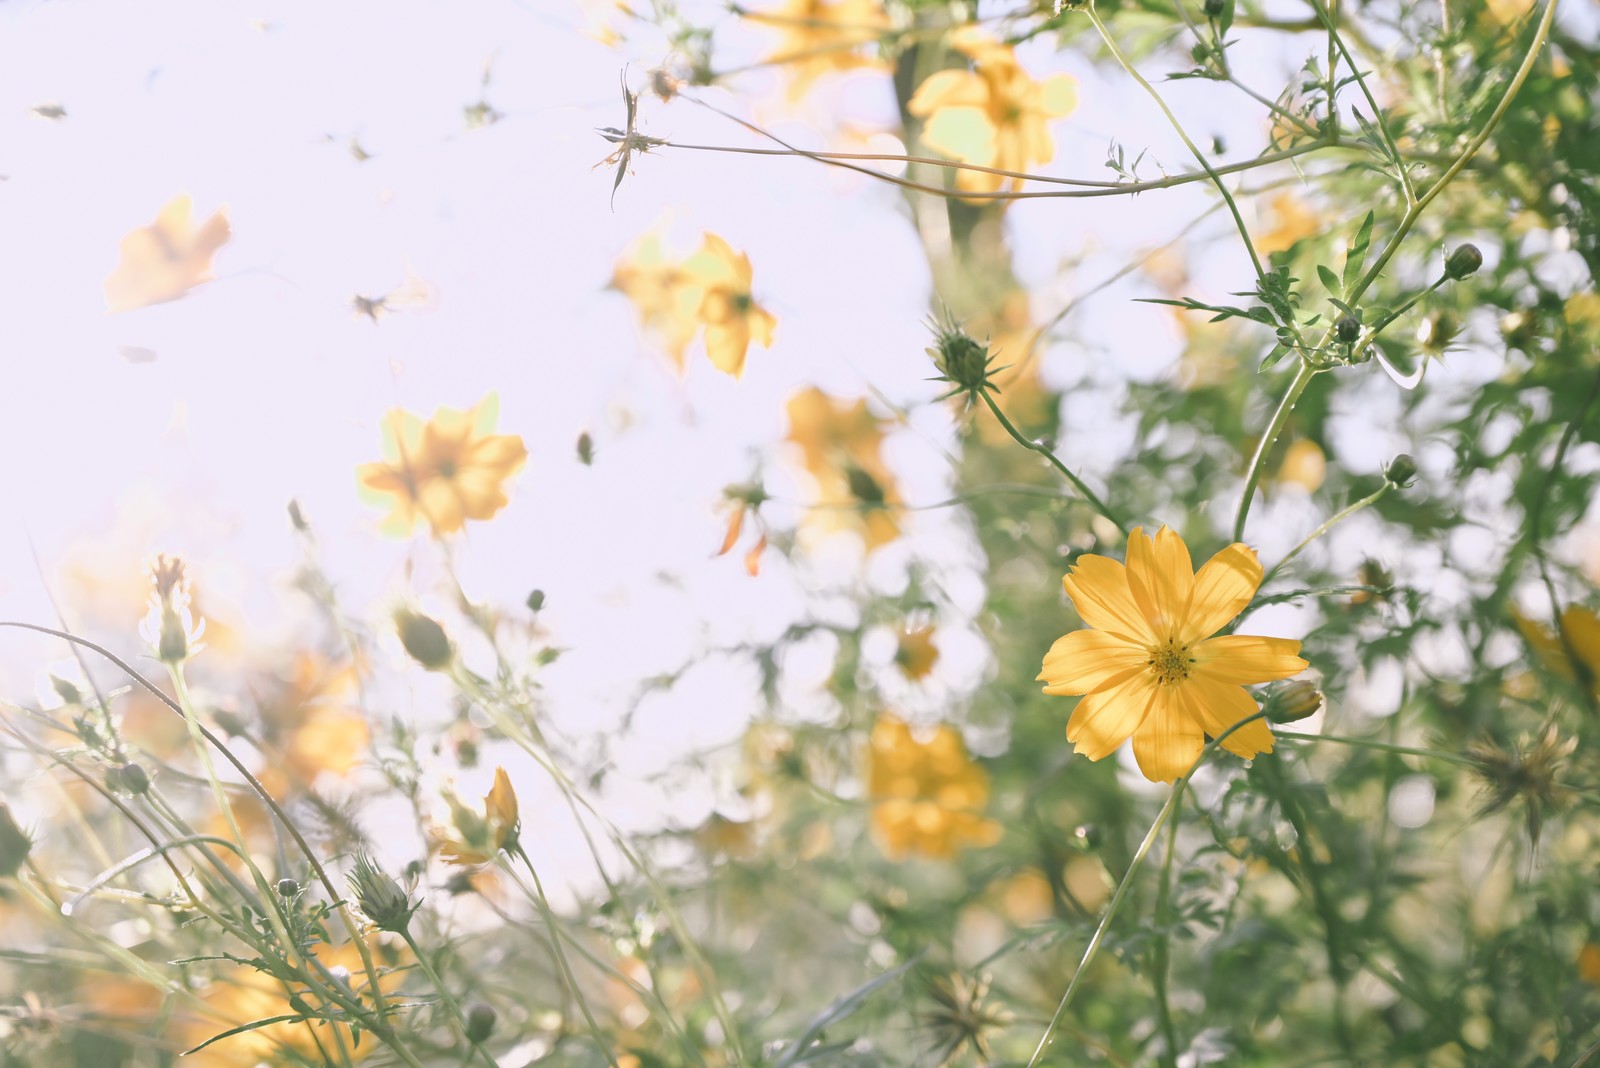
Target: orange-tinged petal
point(1219, 707)
point(1168, 742)
point(1108, 717)
point(500, 805)
point(1248, 659)
point(1221, 590)
point(752, 559)
point(735, 525)
point(726, 346)
point(1085, 660)
point(1100, 592)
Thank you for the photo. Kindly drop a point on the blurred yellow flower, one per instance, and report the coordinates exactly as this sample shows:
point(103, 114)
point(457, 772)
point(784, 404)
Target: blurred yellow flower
point(822, 37)
point(1589, 963)
point(841, 446)
point(1293, 220)
point(1303, 465)
point(993, 116)
point(479, 839)
point(1147, 667)
point(310, 724)
point(1582, 628)
point(916, 654)
point(710, 289)
point(927, 796)
point(445, 471)
point(731, 316)
point(166, 259)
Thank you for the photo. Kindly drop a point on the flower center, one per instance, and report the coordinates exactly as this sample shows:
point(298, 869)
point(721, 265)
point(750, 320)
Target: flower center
point(1170, 662)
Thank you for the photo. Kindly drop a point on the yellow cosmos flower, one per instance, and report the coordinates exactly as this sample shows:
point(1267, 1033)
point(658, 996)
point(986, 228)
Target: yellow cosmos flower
point(166, 259)
point(311, 723)
point(1582, 628)
point(731, 316)
point(993, 116)
point(1148, 668)
point(479, 839)
point(841, 446)
point(928, 797)
point(660, 294)
point(445, 471)
point(822, 37)
point(1293, 220)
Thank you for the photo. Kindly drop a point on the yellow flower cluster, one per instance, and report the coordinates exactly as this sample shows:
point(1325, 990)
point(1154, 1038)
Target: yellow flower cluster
point(710, 290)
point(822, 37)
point(928, 796)
point(995, 115)
point(841, 446)
point(444, 471)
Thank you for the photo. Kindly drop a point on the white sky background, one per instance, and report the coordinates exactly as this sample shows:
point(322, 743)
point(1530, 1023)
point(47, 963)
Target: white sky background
point(266, 387)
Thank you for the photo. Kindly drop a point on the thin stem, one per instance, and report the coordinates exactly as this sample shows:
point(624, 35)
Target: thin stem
point(1371, 498)
point(1382, 747)
point(1269, 436)
point(1055, 461)
point(458, 1022)
point(1328, 20)
point(1163, 918)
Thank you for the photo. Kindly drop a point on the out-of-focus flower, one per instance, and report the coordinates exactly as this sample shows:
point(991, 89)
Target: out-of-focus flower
point(311, 725)
point(1146, 665)
point(444, 471)
point(170, 626)
point(1582, 629)
point(730, 314)
point(479, 839)
point(915, 654)
point(744, 501)
point(166, 259)
point(661, 295)
point(995, 115)
point(841, 446)
point(1292, 220)
point(1525, 772)
point(927, 796)
point(1589, 963)
point(1303, 465)
point(959, 1016)
point(822, 37)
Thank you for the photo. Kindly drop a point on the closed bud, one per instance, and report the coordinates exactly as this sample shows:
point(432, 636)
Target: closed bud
point(962, 361)
point(15, 845)
point(288, 888)
point(1213, 8)
point(1293, 702)
point(1347, 329)
point(424, 639)
point(379, 897)
point(1465, 260)
point(1401, 470)
point(297, 518)
point(480, 1022)
point(535, 600)
point(131, 777)
point(585, 449)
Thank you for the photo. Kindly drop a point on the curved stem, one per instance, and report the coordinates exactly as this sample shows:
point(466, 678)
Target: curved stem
point(458, 1022)
point(1371, 498)
point(1269, 436)
point(1055, 461)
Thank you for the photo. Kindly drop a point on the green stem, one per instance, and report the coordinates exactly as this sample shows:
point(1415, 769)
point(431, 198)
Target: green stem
point(1377, 112)
point(1291, 396)
point(1371, 498)
point(1382, 747)
point(1163, 918)
point(1055, 461)
point(458, 1022)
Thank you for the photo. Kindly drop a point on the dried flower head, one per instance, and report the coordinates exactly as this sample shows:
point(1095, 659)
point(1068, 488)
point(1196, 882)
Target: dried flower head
point(960, 1017)
point(1524, 772)
point(379, 896)
point(170, 625)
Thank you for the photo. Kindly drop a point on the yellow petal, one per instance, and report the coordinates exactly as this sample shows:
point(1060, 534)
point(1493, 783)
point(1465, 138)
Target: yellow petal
point(726, 346)
point(1160, 577)
point(1582, 628)
point(1247, 659)
point(948, 88)
point(963, 133)
point(1219, 707)
point(1085, 660)
point(1060, 95)
point(1106, 718)
point(1221, 590)
point(1168, 742)
point(1100, 592)
point(500, 805)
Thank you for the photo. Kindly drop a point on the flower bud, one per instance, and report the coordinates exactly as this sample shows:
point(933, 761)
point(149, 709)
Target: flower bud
point(962, 361)
point(131, 777)
point(379, 897)
point(535, 600)
point(480, 1022)
point(1347, 329)
point(297, 518)
point(1401, 470)
point(288, 888)
point(15, 845)
point(1294, 701)
point(1465, 260)
point(1213, 8)
point(424, 639)
point(170, 625)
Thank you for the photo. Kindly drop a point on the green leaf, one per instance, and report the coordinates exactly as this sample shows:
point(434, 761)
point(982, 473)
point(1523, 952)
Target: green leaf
point(1355, 256)
point(1330, 280)
point(253, 1025)
point(1225, 20)
point(843, 1007)
point(1278, 352)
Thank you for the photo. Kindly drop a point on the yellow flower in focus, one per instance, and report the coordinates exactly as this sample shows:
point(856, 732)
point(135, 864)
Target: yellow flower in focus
point(445, 471)
point(731, 316)
point(841, 446)
point(1582, 628)
point(1293, 221)
point(479, 839)
point(916, 654)
point(928, 797)
point(995, 115)
point(1147, 667)
point(822, 37)
point(166, 259)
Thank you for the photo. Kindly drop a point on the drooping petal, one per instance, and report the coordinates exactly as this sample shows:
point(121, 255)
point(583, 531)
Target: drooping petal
point(1108, 717)
point(1248, 659)
point(1221, 590)
point(1085, 660)
point(1169, 741)
point(1100, 592)
point(1219, 707)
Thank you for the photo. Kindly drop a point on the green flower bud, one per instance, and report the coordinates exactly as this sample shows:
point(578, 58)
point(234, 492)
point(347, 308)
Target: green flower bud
point(535, 600)
point(1293, 702)
point(1465, 260)
point(1213, 8)
point(288, 888)
point(379, 897)
point(1347, 329)
point(962, 361)
point(15, 845)
point(1401, 470)
point(131, 777)
point(424, 639)
point(480, 1022)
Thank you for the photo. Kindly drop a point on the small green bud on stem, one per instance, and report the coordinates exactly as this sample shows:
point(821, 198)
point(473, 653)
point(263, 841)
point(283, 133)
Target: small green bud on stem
point(1401, 470)
point(424, 639)
point(1465, 260)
